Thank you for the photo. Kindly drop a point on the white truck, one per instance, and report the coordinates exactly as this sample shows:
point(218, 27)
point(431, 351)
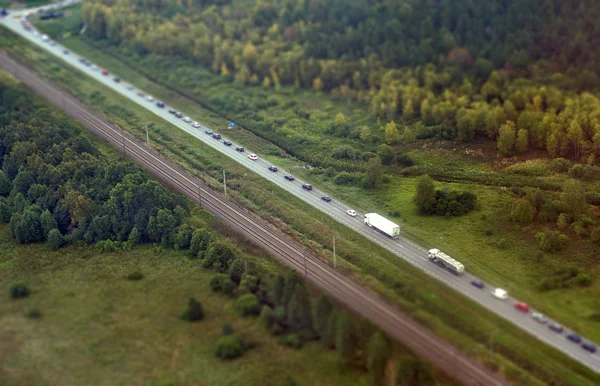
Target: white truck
point(440, 258)
point(382, 224)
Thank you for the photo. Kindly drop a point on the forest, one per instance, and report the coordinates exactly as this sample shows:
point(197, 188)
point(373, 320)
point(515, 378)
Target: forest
point(517, 72)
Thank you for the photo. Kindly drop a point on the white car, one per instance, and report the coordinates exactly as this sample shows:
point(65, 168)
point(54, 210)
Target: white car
point(253, 157)
point(129, 87)
point(94, 67)
point(149, 98)
point(45, 38)
point(538, 317)
point(501, 294)
point(351, 212)
point(196, 125)
point(187, 119)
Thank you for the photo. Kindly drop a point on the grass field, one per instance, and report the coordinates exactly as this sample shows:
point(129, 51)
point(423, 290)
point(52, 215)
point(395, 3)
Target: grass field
point(98, 328)
point(444, 312)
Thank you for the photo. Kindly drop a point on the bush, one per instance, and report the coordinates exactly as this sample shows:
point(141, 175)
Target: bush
point(248, 304)
point(19, 290)
point(230, 347)
point(134, 276)
point(194, 311)
point(549, 241)
point(564, 278)
point(345, 178)
point(404, 160)
point(290, 340)
point(34, 313)
point(226, 329)
point(560, 165)
point(218, 282)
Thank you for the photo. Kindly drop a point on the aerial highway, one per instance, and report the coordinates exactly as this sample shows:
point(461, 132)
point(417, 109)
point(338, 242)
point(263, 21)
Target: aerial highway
point(402, 247)
point(398, 325)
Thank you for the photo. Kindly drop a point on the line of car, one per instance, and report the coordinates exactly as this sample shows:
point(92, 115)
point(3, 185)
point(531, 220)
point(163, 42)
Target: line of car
point(501, 294)
point(186, 119)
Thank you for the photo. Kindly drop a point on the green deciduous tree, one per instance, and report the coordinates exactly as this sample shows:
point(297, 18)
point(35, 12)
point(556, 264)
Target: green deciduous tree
point(299, 314)
point(465, 128)
point(574, 197)
point(411, 372)
point(194, 311)
point(248, 304)
point(134, 236)
point(373, 173)
point(47, 222)
point(392, 136)
point(323, 310)
point(378, 354)
point(230, 347)
point(522, 142)
point(424, 197)
point(506, 138)
point(278, 289)
point(385, 154)
point(523, 212)
point(345, 340)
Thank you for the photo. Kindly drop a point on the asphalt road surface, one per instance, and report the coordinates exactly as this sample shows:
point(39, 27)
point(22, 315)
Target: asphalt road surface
point(403, 248)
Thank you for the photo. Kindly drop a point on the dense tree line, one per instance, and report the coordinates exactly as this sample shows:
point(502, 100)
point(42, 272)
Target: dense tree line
point(56, 187)
point(456, 68)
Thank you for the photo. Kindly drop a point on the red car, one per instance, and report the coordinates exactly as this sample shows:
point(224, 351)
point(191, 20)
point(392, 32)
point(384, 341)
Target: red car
point(523, 307)
point(104, 72)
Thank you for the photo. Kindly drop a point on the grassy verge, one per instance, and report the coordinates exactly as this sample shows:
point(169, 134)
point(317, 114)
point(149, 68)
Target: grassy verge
point(454, 317)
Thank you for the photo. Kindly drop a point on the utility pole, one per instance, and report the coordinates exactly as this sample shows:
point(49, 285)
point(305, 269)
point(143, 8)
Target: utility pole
point(224, 183)
point(334, 260)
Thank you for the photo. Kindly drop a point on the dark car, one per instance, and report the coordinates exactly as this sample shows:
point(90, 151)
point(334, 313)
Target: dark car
point(289, 177)
point(588, 346)
point(326, 198)
point(478, 283)
point(555, 327)
point(117, 79)
point(272, 168)
point(573, 337)
point(65, 52)
point(172, 111)
point(227, 143)
point(240, 149)
point(307, 186)
point(216, 136)
point(179, 115)
point(160, 104)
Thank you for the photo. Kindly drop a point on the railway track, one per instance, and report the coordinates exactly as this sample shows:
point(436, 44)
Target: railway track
point(397, 324)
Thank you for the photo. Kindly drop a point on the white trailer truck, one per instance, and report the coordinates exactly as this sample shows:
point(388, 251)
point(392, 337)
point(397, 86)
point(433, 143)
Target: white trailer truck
point(383, 225)
point(440, 258)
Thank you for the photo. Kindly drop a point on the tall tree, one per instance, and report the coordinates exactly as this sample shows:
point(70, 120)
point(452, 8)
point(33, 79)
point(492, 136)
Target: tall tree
point(522, 142)
point(377, 357)
point(373, 173)
point(345, 340)
point(424, 197)
point(300, 313)
point(506, 138)
point(323, 310)
point(411, 371)
point(574, 197)
point(392, 136)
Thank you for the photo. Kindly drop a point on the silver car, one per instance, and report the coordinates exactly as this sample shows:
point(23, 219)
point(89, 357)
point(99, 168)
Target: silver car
point(538, 317)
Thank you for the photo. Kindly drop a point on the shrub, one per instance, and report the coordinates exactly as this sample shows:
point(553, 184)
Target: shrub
point(266, 317)
point(226, 329)
point(345, 178)
point(248, 304)
point(549, 241)
point(217, 282)
point(404, 160)
point(194, 311)
point(290, 340)
point(230, 347)
point(19, 290)
point(134, 276)
point(560, 165)
point(34, 313)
